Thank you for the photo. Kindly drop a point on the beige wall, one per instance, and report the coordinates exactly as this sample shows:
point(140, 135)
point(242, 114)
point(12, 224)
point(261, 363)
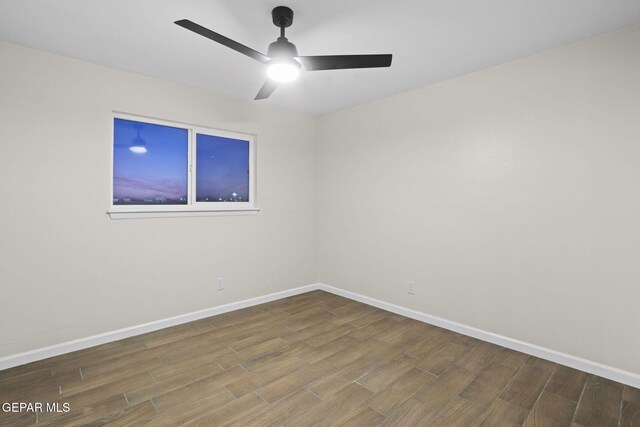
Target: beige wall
point(67, 270)
point(511, 196)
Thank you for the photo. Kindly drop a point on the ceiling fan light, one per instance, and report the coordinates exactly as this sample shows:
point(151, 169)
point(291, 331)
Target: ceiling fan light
point(138, 149)
point(138, 145)
point(283, 71)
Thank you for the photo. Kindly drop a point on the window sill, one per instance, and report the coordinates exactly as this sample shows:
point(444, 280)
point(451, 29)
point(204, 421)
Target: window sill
point(133, 214)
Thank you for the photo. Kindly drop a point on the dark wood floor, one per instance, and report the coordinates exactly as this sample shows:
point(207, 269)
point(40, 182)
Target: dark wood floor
point(313, 359)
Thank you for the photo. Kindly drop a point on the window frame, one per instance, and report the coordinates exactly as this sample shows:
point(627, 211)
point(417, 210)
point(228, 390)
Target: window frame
point(192, 208)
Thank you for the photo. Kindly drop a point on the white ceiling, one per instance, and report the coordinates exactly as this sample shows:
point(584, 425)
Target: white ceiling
point(431, 40)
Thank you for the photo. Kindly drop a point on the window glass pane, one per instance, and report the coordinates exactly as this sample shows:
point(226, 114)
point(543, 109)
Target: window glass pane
point(149, 164)
point(222, 169)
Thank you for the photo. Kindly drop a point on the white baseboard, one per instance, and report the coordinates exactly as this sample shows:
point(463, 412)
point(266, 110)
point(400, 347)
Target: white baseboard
point(82, 343)
point(575, 362)
point(605, 371)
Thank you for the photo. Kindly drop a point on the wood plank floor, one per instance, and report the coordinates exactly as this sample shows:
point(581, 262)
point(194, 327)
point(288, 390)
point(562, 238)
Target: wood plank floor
point(315, 359)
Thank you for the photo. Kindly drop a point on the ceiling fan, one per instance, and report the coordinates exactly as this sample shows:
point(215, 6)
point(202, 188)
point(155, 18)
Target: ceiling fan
point(282, 60)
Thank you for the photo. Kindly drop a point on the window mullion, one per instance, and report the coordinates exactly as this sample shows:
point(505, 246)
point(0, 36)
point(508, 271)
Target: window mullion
point(191, 166)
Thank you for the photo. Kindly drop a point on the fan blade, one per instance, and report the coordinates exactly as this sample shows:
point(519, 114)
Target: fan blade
point(339, 62)
point(267, 89)
point(205, 32)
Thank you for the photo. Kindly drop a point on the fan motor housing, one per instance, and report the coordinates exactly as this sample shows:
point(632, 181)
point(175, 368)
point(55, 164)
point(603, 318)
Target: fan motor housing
point(282, 48)
point(282, 16)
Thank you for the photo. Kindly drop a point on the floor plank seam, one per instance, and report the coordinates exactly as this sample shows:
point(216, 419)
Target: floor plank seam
point(543, 390)
point(311, 391)
point(260, 396)
point(230, 393)
point(362, 385)
point(584, 387)
point(153, 403)
point(620, 414)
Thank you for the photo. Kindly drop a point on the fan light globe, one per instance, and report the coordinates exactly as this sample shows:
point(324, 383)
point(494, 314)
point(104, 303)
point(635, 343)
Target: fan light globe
point(138, 149)
point(283, 71)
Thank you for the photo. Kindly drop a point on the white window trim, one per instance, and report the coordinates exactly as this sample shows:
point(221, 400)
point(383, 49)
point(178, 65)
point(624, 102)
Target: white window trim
point(192, 208)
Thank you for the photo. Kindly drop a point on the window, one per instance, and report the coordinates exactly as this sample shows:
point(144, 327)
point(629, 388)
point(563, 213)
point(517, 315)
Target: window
point(169, 169)
point(222, 169)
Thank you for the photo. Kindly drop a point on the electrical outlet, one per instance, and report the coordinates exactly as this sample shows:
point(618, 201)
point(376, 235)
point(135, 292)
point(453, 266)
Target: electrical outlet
point(411, 288)
point(220, 283)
